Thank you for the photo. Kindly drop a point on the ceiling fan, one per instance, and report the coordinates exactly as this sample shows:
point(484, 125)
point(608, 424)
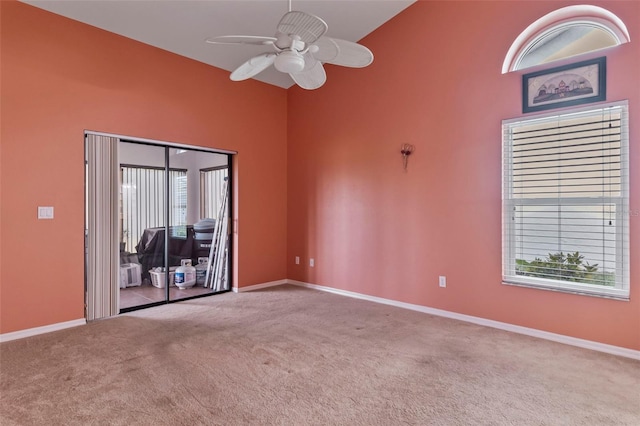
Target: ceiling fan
point(299, 48)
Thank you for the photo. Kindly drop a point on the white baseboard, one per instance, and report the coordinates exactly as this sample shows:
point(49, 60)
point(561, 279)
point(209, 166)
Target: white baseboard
point(259, 286)
point(41, 330)
point(74, 323)
point(568, 340)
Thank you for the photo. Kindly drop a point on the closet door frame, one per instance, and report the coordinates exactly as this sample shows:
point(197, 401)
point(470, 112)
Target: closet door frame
point(110, 287)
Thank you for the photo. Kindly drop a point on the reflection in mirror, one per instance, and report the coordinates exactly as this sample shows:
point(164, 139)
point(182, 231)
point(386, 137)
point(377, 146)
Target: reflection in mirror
point(566, 41)
point(171, 219)
point(202, 216)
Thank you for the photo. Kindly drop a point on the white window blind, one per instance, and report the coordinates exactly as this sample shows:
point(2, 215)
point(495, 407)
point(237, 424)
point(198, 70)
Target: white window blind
point(178, 203)
point(143, 196)
point(211, 190)
point(565, 201)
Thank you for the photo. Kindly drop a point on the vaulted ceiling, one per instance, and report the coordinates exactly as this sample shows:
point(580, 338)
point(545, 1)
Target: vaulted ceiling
point(181, 26)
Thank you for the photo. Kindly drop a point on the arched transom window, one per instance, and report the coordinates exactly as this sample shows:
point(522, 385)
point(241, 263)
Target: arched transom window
point(564, 33)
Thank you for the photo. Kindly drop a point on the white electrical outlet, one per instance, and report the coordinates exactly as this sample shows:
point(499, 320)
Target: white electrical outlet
point(297, 260)
point(442, 281)
point(312, 263)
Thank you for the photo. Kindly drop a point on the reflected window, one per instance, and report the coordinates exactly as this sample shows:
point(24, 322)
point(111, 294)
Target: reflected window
point(212, 191)
point(143, 198)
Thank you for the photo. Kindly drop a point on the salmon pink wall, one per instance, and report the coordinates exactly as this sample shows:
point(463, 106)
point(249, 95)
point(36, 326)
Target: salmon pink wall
point(436, 83)
point(60, 77)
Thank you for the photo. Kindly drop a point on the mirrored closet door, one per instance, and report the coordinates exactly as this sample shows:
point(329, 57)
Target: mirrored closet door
point(171, 225)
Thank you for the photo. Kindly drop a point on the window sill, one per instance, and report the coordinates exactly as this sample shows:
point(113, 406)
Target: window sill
point(621, 298)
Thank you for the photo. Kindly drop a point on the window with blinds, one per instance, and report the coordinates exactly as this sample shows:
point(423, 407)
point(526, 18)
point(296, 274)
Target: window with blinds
point(143, 202)
point(211, 190)
point(565, 201)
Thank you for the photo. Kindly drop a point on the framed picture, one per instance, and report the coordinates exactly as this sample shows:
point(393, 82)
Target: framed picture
point(568, 85)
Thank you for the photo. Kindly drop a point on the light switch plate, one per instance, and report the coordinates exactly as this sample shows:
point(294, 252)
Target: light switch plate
point(442, 281)
point(45, 212)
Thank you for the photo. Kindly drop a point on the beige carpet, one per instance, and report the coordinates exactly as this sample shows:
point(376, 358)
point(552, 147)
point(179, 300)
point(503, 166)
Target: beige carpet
point(294, 356)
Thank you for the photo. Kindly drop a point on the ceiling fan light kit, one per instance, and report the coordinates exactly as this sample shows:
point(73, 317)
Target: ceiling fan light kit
point(299, 49)
point(289, 61)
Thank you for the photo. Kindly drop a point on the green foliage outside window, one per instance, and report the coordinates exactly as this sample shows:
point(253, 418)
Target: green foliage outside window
point(565, 267)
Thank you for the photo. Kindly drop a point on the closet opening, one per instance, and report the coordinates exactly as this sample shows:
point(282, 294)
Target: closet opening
point(157, 223)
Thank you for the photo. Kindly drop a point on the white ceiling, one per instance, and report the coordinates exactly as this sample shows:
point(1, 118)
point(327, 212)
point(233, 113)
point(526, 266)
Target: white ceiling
point(181, 26)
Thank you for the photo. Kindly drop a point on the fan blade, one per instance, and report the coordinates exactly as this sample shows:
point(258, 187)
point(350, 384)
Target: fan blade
point(308, 27)
point(311, 78)
point(236, 39)
point(342, 52)
point(309, 61)
point(253, 66)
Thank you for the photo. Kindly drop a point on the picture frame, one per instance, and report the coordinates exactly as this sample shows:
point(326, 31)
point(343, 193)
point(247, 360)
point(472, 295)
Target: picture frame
point(568, 85)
